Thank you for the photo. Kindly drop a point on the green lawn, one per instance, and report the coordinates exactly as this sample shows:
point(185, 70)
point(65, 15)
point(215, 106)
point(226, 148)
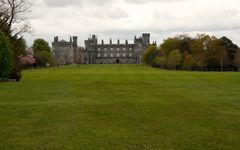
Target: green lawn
point(120, 107)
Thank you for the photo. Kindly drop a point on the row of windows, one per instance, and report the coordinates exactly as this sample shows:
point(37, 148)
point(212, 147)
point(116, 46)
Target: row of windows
point(117, 55)
point(118, 49)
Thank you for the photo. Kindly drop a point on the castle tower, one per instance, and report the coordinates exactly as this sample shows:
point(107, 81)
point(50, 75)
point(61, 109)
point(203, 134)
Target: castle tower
point(146, 38)
point(111, 41)
point(75, 44)
point(75, 47)
point(56, 39)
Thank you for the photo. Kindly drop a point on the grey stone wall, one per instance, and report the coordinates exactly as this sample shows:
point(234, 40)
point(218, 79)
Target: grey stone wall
point(115, 53)
point(63, 52)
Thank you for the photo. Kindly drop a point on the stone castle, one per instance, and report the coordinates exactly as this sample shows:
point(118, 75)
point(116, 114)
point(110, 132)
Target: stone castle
point(99, 53)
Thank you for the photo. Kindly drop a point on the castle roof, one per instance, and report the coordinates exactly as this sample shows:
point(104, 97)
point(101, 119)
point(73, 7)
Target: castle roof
point(62, 41)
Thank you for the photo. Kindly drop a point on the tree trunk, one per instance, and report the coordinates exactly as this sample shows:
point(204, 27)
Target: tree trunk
point(221, 66)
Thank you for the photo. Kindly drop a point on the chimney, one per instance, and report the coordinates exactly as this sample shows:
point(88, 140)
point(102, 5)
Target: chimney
point(126, 41)
point(102, 42)
point(118, 42)
point(111, 41)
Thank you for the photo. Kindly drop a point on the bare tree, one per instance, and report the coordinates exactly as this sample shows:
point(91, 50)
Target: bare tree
point(12, 17)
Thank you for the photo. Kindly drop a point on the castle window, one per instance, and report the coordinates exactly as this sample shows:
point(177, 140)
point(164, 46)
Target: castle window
point(118, 55)
point(111, 49)
point(99, 55)
point(111, 55)
point(130, 54)
point(124, 49)
point(124, 55)
point(130, 49)
point(99, 49)
point(105, 49)
point(118, 49)
point(105, 55)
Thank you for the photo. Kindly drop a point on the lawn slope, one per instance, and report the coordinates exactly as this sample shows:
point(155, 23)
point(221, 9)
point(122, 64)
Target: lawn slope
point(120, 107)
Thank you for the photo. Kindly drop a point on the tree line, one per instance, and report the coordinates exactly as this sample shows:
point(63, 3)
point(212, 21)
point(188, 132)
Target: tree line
point(203, 52)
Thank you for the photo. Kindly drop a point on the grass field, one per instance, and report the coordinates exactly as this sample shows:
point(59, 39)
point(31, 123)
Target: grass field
point(120, 107)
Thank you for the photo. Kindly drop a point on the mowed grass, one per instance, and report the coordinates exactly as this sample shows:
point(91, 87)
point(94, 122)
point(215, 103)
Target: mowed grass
point(120, 107)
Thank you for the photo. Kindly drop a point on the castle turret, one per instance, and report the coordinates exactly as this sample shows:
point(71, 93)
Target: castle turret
point(75, 41)
point(146, 38)
point(56, 39)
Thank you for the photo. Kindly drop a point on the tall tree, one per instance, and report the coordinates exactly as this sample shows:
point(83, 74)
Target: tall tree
point(230, 47)
point(237, 59)
point(12, 19)
point(219, 52)
point(189, 62)
point(199, 53)
point(41, 45)
point(149, 55)
point(6, 58)
point(169, 45)
point(183, 43)
point(42, 53)
point(175, 59)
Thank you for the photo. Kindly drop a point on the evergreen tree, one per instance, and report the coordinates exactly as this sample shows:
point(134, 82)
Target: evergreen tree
point(6, 58)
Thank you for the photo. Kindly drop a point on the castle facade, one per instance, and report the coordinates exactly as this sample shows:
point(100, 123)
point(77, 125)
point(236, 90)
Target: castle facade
point(100, 53)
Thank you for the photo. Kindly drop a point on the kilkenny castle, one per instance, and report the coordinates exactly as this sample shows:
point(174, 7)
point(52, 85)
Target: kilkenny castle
point(68, 52)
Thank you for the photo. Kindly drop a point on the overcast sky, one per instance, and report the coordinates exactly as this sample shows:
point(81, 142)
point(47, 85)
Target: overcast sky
point(125, 18)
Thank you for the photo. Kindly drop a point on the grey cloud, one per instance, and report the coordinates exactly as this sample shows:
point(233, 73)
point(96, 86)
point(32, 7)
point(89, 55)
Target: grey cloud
point(149, 1)
point(62, 3)
point(120, 19)
point(117, 13)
